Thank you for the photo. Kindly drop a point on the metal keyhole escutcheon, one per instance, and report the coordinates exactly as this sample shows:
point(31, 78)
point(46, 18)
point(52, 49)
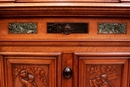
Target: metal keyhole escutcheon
point(67, 72)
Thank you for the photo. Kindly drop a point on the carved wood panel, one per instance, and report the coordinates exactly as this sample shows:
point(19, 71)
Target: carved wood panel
point(103, 75)
point(101, 72)
point(28, 71)
point(30, 75)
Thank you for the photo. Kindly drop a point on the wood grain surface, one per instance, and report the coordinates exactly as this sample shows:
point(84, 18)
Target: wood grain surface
point(96, 60)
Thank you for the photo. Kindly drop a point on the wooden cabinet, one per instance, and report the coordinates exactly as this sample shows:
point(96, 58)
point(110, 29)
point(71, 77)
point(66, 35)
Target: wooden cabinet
point(64, 44)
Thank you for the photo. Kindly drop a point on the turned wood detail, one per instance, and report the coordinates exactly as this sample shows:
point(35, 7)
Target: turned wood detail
point(28, 77)
point(102, 75)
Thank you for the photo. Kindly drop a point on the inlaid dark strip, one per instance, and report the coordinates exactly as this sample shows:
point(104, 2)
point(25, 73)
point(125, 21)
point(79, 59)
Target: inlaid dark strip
point(67, 27)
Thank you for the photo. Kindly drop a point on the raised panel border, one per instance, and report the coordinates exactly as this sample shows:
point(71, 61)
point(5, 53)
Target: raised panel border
point(129, 75)
point(1, 72)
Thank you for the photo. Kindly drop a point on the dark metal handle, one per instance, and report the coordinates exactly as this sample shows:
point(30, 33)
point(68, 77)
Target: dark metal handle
point(67, 29)
point(67, 72)
point(67, 32)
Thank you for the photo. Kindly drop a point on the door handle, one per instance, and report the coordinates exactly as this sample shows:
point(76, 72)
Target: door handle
point(67, 72)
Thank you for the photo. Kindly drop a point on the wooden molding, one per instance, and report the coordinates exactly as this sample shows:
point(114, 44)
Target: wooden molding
point(56, 54)
point(68, 1)
point(66, 43)
point(65, 9)
point(1, 72)
point(124, 55)
point(7, 1)
point(125, 0)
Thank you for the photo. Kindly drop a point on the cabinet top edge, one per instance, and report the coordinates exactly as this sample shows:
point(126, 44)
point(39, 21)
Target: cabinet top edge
point(65, 5)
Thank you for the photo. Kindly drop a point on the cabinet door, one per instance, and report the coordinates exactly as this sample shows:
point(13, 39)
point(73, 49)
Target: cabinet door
point(103, 70)
point(32, 70)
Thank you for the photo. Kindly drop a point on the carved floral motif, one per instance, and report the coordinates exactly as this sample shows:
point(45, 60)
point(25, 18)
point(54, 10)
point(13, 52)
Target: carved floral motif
point(18, 69)
point(102, 75)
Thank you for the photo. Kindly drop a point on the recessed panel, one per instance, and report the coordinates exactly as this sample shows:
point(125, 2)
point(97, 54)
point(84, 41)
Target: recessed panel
point(67, 27)
point(112, 28)
point(22, 28)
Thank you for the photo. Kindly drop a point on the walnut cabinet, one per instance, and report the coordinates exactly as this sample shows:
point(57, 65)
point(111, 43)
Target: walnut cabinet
point(67, 43)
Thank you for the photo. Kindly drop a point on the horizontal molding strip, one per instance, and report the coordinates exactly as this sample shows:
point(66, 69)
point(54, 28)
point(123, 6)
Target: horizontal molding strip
point(66, 43)
point(64, 4)
point(30, 53)
point(65, 9)
point(103, 54)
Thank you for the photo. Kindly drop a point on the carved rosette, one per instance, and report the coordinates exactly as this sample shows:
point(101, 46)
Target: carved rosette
point(29, 76)
point(103, 75)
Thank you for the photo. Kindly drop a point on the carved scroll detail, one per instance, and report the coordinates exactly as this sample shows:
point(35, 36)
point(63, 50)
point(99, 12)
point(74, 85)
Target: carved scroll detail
point(102, 75)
